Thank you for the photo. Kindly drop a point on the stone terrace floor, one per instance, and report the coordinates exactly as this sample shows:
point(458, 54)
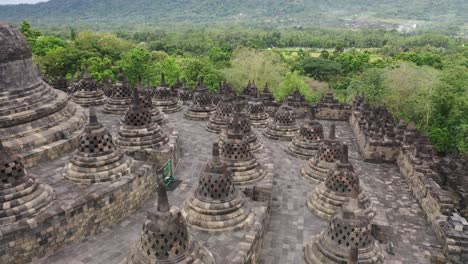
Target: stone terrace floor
point(291, 224)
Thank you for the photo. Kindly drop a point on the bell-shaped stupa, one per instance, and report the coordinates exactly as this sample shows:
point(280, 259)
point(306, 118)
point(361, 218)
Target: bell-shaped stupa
point(224, 111)
point(165, 99)
point(146, 97)
point(87, 91)
point(138, 131)
point(236, 152)
point(36, 121)
point(283, 126)
point(165, 238)
point(317, 168)
point(349, 230)
point(257, 113)
point(341, 183)
point(217, 205)
point(21, 196)
point(97, 159)
point(121, 98)
point(202, 106)
point(306, 144)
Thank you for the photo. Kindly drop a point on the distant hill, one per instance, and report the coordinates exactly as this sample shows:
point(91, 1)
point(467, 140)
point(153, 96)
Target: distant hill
point(115, 14)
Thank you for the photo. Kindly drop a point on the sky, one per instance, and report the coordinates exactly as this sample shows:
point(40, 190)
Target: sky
point(7, 2)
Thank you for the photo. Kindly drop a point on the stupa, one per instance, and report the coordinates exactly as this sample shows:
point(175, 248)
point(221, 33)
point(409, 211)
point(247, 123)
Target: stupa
point(235, 151)
point(61, 84)
point(202, 106)
point(283, 126)
point(217, 205)
point(342, 181)
point(36, 121)
point(349, 230)
point(21, 196)
point(87, 91)
point(224, 110)
point(330, 108)
point(318, 167)
point(165, 239)
point(138, 131)
point(146, 97)
point(257, 113)
point(271, 106)
point(121, 98)
point(97, 158)
point(307, 142)
point(245, 127)
point(184, 93)
point(165, 99)
point(298, 102)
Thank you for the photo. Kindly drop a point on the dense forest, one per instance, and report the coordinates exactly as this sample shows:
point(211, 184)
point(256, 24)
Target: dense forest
point(421, 78)
point(150, 14)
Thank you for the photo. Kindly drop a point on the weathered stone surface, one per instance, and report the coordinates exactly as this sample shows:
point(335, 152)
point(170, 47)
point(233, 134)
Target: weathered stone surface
point(97, 158)
point(224, 111)
point(36, 121)
point(330, 108)
point(21, 196)
point(165, 99)
point(298, 102)
point(87, 91)
point(165, 238)
point(202, 106)
point(121, 98)
point(317, 168)
point(283, 126)
point(348, 230)
point(307, 142)
point(146, 97)
point(257, 113)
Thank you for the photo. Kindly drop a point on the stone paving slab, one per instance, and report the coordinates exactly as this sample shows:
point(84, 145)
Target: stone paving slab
point(291, 224)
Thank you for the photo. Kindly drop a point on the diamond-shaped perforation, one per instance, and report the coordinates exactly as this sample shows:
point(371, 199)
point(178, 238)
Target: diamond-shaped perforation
point(137, 118)
point(95, 143)
point(11, 171)
point(344, 235)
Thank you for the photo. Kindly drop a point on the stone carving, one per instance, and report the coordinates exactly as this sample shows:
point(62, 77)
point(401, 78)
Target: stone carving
point(298, 102)
point(330, 108)
point(146, 95)
point(97, 158)
point(245, 127)
point(202, 106)
point(21, 196)
point(307, 142)
point(121, 98)
point(217, 205)
point(317, 168)
point(165, 238)
point(87, 91)
point(224, 110)
point(165, 99)
point(283, 126)
point(36, 121)
point(257, 113)
point(185, 94)
point(349, 229)
point(341, 183)
point(138, 131)
point(235, 151)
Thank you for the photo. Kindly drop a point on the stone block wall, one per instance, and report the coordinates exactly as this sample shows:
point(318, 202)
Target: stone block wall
point(61, 225)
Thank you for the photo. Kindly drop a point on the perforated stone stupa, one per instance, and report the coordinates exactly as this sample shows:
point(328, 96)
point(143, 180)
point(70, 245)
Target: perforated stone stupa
point(318, 167)
point(201, 107)
point(349, 229)
point(165, 238)
point(138, 131)
point(245, 127)
point(21, 196)
point(330, 108)
point(224, 110)
point(306, 144)
point(256, 109)
point(146, 97)
point(165, 99)
point(121, 98)
point(341, 183)
point(87, 91)
point(298, 102)
point(235, 151)
point(217, 205)
point(283, 126)
point(36, 121)
point(97, 158)
point(184, 94)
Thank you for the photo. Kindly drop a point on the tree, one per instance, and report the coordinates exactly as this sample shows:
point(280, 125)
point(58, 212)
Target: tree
point(136, 63)
point(352, 61)
point(45, 44)
point(290, 83)
point(30, 33)
point(320, 69)
point(194, 68)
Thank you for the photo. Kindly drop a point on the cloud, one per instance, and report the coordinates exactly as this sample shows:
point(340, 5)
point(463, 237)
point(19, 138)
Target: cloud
point(13, 2)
